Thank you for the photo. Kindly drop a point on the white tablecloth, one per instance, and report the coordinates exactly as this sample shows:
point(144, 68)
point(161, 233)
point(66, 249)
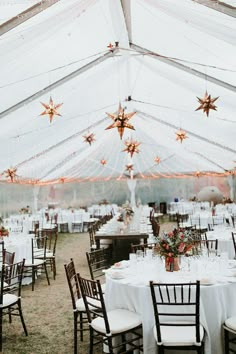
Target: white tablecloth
point(20, 244)
point(224, 236)
point(133, 293)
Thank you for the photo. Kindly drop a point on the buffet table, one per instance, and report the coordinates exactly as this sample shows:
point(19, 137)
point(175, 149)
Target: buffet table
point(128, 287)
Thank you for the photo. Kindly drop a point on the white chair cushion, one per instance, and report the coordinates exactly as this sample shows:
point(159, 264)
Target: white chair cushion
point(177, 336)
point(231, 323)
point(8, 299)
point(120, 320)
point(80, 304)
point(37, 262)
point(49, 254)
point(105, 242)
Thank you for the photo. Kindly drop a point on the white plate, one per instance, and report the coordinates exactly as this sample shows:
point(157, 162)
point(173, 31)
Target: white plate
point(117, 275)
point(120, 265)
point(207, 282)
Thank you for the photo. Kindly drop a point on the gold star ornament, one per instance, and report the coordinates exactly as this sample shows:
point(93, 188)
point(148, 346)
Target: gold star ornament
point(129, 167)
point(157, 159)
point(207, 103)
point(11, 173)
point(181, 135)
point(103, 162)
point(51, 109)
point(121, 120)
point(198, 174)
point(132, 147)
point(89, 138)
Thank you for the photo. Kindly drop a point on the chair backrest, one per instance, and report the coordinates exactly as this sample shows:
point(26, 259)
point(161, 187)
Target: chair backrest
point(52, 236)
point(176, 305)
point(8, 257)
point(234, 241)
point(92, 294)
point(38, 248)
point(1, 252)
point(141, 247)
point(11, 279)
point(91, 232)
point(155, 228)
point(98, 260)
point(72, 281)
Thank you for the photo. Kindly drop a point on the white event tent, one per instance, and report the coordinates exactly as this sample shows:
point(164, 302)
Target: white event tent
point(150, 57)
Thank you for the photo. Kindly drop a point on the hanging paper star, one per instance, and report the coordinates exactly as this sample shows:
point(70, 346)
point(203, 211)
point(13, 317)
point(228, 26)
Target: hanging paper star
point(198, 174)
point(89, 138)
point(110, 47)
point(103, 162)
point(11, 173)
point(157, 159)
point(181, 135)
point(132, 147)
point(121, 120)
point(207, 103)
point(51, 109)
point(129, 167)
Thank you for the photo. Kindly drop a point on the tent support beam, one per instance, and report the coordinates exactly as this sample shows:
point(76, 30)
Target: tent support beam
point(25, 15)
point(126, 7)
point(58, 83)
point(184, 67)
point(220, 6)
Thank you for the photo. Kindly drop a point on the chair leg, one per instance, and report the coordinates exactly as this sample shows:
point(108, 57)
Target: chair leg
point(110, 346)
point(75, 332)
point(54, 268)
point(226, 340)
point(46, 272)
point(1, 314)
point(91, 341)
point(81, 326)
point(22, 318)
point(33, 278)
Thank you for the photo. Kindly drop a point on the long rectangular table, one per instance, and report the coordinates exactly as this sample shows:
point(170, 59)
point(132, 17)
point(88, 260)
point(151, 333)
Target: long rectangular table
point(121, 242)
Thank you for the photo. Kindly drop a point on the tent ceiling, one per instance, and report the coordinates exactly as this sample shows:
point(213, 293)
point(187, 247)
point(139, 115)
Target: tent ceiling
point(166, 57)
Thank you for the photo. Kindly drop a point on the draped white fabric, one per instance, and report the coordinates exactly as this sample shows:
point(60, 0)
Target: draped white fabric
point(63, 52)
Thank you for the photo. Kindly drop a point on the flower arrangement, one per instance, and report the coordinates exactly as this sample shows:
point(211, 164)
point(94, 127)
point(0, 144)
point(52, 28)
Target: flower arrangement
point(174, 243)
point(120, 218)
point(3, 231)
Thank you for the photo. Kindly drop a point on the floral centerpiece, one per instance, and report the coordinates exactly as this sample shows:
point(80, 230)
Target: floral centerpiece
point(3, 231)
point(174, 244)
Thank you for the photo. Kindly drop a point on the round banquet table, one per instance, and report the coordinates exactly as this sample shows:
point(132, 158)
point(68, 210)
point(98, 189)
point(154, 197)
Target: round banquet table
point(128, 288)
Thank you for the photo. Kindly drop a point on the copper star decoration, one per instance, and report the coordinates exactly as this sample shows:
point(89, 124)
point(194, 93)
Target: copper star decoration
point(198, 174)
point(121, 120)
point(129, 167)
point(132, 147)
point(110, 47)
point(11, 173)
point(181, 135)
point(89, 138)
point(157, 159)
point(51, 109)
point(103, 162)
point(207, 103)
